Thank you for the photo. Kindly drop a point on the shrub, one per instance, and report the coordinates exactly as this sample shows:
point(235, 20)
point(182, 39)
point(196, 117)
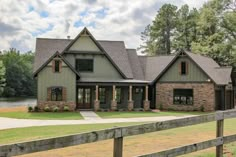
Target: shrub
point(66, 108)
point(46, 109)
point(36, 109)
point(160, 106)
point(55, 109)
point(202, 108)
point(30, 108)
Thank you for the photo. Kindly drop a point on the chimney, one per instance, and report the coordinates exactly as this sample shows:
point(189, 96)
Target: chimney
point(68, 37)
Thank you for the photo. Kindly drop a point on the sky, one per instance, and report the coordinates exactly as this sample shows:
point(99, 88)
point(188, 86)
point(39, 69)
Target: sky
point(22, 21)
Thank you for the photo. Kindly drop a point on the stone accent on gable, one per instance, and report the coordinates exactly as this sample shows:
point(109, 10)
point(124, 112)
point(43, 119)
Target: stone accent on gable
point(203, 96)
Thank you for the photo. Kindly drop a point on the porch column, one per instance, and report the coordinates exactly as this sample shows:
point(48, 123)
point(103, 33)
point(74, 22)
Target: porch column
point(146, 93)
point(113, 101)
point(130, 102)
point(146, 102)
point(96, 101)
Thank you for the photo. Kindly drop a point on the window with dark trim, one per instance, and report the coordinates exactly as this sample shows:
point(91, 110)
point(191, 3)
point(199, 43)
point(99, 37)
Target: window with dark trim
point(56, 93)
point(102, 95)
point(84, 65)
point(57, 66)
point(118, 95)
point(183, 68)
point(183, 96)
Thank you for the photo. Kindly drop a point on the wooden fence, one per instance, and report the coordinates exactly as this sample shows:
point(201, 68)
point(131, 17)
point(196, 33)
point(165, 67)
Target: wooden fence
point(119, 133)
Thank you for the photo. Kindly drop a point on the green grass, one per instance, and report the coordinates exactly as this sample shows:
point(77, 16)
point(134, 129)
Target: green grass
point(42, 115)
point(150, 142)
point(145, 114)
point(33, 133)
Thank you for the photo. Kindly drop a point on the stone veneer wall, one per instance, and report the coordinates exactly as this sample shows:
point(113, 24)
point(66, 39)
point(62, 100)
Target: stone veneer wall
point(59, 104)
point(203, 95)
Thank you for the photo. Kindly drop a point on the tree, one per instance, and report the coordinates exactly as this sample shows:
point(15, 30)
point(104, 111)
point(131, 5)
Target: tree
point(2, 77)
point(209, 30)
point(212, 39)
point(157, 36)
point(19, 78)
point(186, 28)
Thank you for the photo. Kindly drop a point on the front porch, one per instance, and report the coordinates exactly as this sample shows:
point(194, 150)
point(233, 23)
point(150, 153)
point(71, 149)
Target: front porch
point(112, 96)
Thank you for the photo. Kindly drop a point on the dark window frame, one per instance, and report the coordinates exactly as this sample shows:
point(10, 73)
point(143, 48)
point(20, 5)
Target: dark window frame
point(85, 68)
point(102, 95)
point(183, 68)
point(183, 96)
point(58, 91)
point(57, 66)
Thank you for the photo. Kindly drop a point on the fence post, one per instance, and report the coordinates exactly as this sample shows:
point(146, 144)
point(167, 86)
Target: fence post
point(118, 147)
point(219, 132)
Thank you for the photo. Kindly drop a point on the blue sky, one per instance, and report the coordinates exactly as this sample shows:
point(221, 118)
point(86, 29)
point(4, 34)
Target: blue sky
point(21, 24)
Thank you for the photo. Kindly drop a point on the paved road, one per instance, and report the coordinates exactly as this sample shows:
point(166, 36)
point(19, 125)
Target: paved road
point(8, 123)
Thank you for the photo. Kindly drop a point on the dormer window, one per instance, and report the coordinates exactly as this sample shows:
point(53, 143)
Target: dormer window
point(57, 66)
point(84, 65)
point(183, 68)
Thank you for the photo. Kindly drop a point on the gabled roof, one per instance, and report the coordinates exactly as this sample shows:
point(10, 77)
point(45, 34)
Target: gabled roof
point(220, 75)
point(156, 66)
point(56, 54)
point(109, 47)
point(45, 48)
point(128, 63)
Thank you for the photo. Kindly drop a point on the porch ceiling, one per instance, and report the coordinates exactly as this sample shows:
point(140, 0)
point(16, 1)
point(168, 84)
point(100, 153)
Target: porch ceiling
point(113, 81)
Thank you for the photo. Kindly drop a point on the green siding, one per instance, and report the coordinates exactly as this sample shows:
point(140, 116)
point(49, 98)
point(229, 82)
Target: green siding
point(103, 69)
point(46, 78)
point(195, 74)
point(84, 43)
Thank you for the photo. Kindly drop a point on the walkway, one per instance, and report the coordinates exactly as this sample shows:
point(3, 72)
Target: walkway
point(89, 115)
point(7, 123)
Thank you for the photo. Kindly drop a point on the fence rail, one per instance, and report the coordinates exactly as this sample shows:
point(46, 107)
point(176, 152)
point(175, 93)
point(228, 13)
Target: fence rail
point(119, 133)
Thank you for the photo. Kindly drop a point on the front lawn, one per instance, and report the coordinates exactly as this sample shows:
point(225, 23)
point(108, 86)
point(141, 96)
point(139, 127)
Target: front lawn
point(145, 114)
point(21, 113)
point(133, 145)
point(33, 133)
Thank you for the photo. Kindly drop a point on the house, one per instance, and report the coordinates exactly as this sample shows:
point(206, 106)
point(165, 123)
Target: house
point(85, 73)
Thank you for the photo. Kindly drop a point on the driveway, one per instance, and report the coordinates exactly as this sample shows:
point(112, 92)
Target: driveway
point(8, 123)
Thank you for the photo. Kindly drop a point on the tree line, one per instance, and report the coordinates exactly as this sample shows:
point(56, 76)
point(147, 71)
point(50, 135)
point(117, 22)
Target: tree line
point(16, 74)
point(209, 30)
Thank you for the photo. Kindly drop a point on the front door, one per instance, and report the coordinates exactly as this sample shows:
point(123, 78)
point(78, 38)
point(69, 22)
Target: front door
point(138, 97)
point(84, 98)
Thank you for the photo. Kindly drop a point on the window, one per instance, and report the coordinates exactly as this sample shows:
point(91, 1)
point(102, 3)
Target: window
point(102, 95)
point(183, 96)
point(56, 94)
point(118, 95)
point(183, 68)
point(138, 90)
point(57, 66)
point(84, 65)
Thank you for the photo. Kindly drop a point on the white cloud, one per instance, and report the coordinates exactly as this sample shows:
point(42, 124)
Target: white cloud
point(110, 20)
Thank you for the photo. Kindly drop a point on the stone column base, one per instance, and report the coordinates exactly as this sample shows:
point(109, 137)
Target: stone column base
point(113, 105)
point(96, 105)
point(146, 105)
point(130, 105)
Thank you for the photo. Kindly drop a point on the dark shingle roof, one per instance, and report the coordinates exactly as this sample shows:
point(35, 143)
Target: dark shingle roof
point(132, 65)
point(45, 48)
point(155, 66)
point(135, 64)
point(116, 50)
point(220, 75)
